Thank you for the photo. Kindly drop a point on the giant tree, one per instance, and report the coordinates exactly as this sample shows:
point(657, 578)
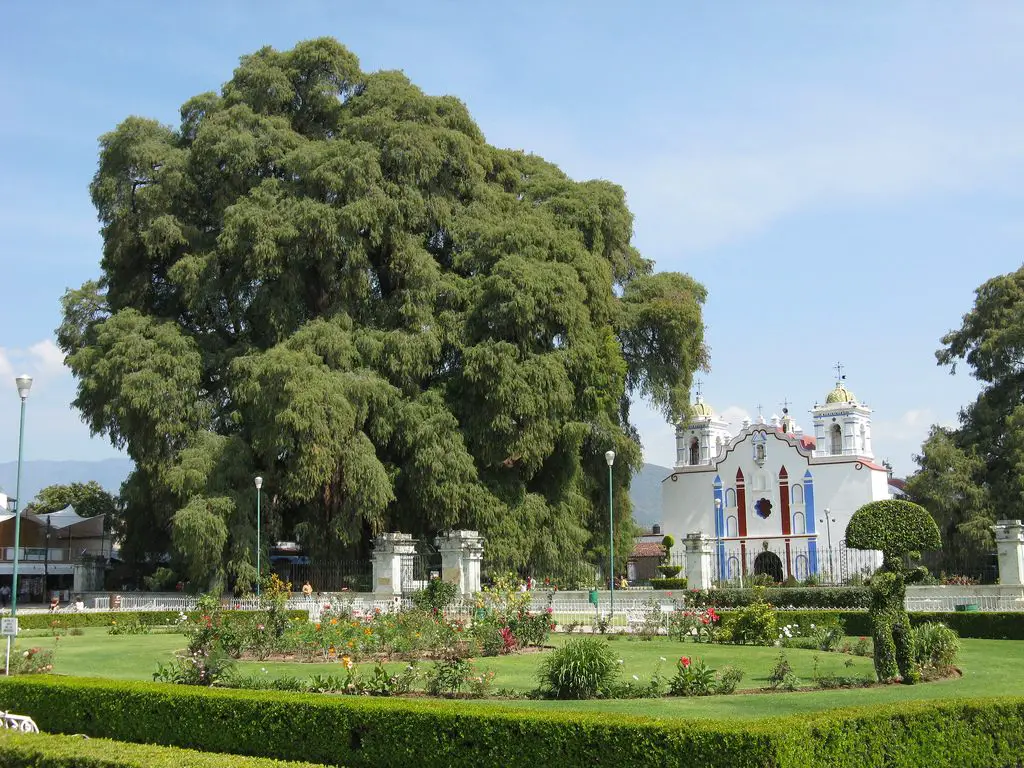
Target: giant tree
point(967, 473)
point(328, 278)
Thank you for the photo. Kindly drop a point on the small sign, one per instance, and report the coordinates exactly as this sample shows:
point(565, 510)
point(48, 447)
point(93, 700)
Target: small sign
point(8, 627)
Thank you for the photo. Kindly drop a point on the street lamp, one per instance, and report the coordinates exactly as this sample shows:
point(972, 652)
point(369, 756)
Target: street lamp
point(609, 457)
point(24, 383)
point(828, 520)
point(259, 484)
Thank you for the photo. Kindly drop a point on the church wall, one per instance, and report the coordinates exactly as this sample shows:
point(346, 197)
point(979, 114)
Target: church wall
point(688, 501)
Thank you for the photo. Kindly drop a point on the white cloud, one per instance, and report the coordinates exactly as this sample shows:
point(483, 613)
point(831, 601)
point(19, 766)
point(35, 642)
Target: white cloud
point(726, 187)
point(47, 357)
point(42, 359)
point(734, 416)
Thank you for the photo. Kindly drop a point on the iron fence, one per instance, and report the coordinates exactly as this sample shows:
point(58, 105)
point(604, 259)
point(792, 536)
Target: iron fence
point(753, 563)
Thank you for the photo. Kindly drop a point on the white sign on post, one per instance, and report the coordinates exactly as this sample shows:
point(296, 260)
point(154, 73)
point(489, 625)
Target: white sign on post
point(8, 627)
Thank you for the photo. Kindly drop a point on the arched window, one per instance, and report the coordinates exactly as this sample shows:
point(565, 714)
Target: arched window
point(694, 452)
point(730, 497)
point(797, 494)
point(799, 525)
point(837, 440)
point(800, 569)
point(733, 567)
point(731, 527)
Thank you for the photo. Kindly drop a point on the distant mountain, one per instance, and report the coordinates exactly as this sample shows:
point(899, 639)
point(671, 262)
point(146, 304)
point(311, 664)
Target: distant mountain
point(36, 475)
point(645, 493)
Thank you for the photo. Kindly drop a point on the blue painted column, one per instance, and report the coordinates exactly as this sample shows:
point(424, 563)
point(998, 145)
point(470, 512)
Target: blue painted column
point(810, 519)
point(719, 507)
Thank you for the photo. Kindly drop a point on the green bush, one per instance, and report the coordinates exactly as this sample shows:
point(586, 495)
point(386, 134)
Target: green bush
point(936, 646)
point(679, 583)
point(754, 625)
point(436, 596)
point(583, 668)
point(148, 618)
point(366, 731)
point(784, 597)
point(43, 750)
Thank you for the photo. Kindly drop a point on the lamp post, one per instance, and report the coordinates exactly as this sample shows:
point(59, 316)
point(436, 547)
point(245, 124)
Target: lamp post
point(24, 383)
point(609, 457)
point(259, 484)
point(828, 520)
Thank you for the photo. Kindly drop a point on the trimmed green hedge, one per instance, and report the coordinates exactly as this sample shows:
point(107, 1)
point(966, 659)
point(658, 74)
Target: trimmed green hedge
point(785, 597)
point(674, 583)
point(971, 733)
point(42, 750)
point(980, 625)
point(103, 618)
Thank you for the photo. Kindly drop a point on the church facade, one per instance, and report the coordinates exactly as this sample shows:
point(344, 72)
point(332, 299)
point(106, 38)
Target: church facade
point(773, 499)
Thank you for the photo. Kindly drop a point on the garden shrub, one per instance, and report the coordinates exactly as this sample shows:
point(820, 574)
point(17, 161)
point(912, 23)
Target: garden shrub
point(44, 750)
point(900, 529)
point(32, 661)
point(365, 731)
point(783, 597)
point(583, 668)
point(436, 596)
point(148, 618)
point(674, 583)
point(936, 647)
point(694, 678)
point(754, 625)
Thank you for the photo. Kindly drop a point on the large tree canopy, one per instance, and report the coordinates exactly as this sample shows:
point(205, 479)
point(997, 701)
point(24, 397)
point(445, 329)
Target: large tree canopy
point(967, 474)
point(326, 277)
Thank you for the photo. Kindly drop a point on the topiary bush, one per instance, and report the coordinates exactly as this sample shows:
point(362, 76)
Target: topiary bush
point(583, 668)
point(900, 529)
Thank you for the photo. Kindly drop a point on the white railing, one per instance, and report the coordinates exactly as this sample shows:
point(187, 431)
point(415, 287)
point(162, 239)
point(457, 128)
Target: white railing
point(951, 603)
point(18, 723)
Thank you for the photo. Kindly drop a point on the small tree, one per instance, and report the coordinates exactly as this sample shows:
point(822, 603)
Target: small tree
point(666, 568)
point(900, 529)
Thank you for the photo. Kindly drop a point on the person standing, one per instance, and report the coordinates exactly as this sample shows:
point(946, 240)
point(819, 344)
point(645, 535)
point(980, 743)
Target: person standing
point(307, 591)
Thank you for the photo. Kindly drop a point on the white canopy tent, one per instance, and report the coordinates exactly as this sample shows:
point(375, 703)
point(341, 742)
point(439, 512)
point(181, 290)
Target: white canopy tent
point(68, 524)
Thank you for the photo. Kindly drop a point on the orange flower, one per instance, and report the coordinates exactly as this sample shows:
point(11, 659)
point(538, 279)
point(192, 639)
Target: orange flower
point(318, 625)
point(334, 621)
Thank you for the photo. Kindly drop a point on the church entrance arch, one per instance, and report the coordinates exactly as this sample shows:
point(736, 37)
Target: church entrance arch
point(769, 564)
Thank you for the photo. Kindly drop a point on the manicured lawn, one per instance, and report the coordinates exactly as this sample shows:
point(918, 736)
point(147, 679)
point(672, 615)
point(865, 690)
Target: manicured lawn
point(990, 667)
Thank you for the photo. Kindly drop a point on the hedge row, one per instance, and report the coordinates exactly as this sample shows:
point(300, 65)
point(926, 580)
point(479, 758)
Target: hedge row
point(674, 583)
point(104, 618)
point(785, 597)
point(980, 625)
point(979, 733)
point(40, 750)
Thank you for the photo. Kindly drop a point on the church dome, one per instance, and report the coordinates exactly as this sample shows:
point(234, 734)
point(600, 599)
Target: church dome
point(702, 410)
point(840, 395)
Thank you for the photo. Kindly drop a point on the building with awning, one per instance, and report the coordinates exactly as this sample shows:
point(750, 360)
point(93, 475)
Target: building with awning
point(59, 551)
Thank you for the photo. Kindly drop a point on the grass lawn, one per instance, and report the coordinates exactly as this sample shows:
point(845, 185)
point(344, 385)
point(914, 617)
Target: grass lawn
point(990, 667)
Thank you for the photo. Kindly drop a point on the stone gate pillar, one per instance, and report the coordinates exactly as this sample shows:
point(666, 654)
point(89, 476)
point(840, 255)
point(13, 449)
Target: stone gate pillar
point(461, 555)
point(698, 561)
point(1010, 549)
point(391, 552)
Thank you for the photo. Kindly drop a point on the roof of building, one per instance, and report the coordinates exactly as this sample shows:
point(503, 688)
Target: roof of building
point(648, 549)
point(840, 395)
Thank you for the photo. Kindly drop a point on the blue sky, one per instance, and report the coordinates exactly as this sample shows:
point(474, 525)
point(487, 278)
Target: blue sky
point(841, 179)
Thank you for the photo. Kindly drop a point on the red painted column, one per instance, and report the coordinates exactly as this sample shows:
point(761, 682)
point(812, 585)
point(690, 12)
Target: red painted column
point(784, 498)
point(741, 503)
point(789, 560)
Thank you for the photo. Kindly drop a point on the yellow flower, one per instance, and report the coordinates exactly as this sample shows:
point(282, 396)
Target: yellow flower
point(334, 621)
point(347, 661)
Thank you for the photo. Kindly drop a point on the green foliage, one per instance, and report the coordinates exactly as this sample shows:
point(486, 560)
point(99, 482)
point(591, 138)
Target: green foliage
point(936, 647)
point(41, 750)
point(782, 676)
point(327, 277)
point(895, 526)
point(366, 731)
point(583, 668)
point(128, 624)
point(756, 624)
point(148, 618)
point(669, 583)
point(32, 661)
point(436, 596)
point(784, 597)
point(694, 678)
point(89, 500)
point(901, 529)
point(950, 484)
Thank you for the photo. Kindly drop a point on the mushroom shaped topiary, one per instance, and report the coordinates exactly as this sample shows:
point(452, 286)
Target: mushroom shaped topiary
point(899, 529)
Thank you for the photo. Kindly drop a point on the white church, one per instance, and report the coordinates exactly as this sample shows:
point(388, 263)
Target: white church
point(773, 499)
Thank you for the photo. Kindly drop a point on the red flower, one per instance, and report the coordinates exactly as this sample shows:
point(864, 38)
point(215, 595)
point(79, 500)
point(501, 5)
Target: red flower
point(685, 661)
